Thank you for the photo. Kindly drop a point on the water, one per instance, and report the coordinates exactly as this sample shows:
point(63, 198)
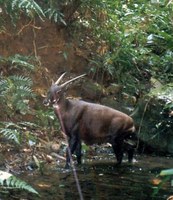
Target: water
point(100, 179)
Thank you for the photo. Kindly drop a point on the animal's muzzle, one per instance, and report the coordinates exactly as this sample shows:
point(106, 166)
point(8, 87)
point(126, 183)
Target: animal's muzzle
point(46, 102)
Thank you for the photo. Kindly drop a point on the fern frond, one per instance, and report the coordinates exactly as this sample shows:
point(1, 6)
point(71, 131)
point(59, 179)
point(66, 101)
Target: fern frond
point(15, 93)
point(29, 6)
point(8, 181)
point(19, 80)
point(56, 15)
point(11, 134)
point(18, 131)
point(13, 4)
point(3, 85)
point(21, 61)
point(28, 124)
point(11, 124)
point(24, 90)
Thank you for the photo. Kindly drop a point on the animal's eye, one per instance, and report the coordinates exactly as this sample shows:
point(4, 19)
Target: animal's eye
point(58, 91)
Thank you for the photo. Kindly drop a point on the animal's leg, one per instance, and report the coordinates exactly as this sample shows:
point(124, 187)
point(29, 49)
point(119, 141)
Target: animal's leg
point(130, 146)
point(72, 144)
point(117, 146)
point(130, 154)
point(78, 152)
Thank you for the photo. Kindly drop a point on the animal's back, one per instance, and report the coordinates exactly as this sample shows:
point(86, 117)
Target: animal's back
point(100, 124)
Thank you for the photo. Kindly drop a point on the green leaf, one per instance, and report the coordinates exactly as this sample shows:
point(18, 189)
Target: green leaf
point(8, 181)
point(167, 172)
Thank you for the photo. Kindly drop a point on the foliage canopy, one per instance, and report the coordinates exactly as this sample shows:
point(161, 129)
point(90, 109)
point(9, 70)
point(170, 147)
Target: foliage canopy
point(135, 40)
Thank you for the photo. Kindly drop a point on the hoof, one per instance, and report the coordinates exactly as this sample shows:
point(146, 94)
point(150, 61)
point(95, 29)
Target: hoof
point(67, 166)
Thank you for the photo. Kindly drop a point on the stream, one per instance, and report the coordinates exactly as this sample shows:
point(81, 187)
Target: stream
point(101, 179)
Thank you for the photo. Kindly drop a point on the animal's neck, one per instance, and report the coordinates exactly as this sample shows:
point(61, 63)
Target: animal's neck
point(61, 105)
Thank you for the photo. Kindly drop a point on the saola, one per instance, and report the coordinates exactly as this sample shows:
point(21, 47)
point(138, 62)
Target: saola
point(90, 122)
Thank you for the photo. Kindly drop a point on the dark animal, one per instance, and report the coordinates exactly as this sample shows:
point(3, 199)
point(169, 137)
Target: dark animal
point(91, 123)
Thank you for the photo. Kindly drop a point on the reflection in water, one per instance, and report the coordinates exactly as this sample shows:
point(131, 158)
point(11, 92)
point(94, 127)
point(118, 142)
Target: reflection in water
point(102, 180)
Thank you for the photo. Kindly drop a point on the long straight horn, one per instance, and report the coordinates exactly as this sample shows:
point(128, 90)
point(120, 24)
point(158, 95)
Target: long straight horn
point(58, 81)
point(73, 79)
